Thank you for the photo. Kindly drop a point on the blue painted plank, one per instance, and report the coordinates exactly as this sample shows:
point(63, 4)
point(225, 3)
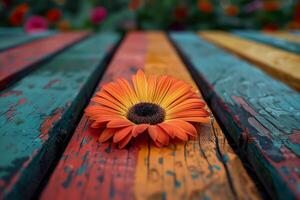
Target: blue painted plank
point(261, 114)
point(38, 113)
point(269, 40)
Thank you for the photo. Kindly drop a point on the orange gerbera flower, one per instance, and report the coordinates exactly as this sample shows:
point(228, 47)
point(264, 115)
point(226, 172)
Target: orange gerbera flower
point(163, 107)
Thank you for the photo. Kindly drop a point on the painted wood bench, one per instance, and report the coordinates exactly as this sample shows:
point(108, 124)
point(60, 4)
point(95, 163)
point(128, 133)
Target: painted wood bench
point(250, 150)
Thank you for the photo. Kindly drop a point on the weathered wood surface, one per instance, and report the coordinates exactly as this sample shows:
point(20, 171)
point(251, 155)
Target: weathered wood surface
point(13, 40)
point(205, 168)
point(261, 114)
point(269, 40)
point(285, 35)
point(16, 62)
point(283, 65)
point(38, 113)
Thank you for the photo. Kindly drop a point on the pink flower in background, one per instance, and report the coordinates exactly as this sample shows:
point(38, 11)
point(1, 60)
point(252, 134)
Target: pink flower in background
point(98, 14)
point(36, 24)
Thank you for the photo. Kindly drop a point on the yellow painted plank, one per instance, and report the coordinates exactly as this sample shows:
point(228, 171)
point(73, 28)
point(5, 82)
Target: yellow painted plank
point(285, 35)
point(283, 65)
point(192, 170)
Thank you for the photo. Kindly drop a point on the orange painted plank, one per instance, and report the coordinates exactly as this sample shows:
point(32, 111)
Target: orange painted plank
point(202, 168)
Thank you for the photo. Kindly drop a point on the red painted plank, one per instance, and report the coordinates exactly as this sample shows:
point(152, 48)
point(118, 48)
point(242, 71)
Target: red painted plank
point(80, 163)
point(14, 62)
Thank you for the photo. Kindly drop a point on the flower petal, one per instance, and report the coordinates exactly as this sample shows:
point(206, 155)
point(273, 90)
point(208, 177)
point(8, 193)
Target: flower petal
point(106, 134)
point(186, 126)
point(125, 141)
point(122, 133)
point(168, 129)
point(118, 123)
point(153, 132)
point(138, 129)
point(205, 120)
point(179, 132)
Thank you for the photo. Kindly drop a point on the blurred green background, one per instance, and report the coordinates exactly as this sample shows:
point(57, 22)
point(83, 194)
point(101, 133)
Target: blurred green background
point(124, 15)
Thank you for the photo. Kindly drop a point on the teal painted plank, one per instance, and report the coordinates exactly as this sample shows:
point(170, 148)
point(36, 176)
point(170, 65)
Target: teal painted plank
point(269, 40)
point(262, 115)
point(10, 41)
point(38, 113)
point(11, 31)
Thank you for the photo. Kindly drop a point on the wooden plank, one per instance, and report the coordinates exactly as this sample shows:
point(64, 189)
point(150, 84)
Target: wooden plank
point(11, 31)
point(284, 35)
point(16, 62)
point(261, 114)
point(38, 113)
point(10, 41)
point(269, 40)
point(199, 169)
point(282, 65)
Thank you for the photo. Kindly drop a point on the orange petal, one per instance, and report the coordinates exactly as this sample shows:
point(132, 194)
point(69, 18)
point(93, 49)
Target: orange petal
point(140, 85)
point(98, 124)
point(118, 123)
point(162, 137)
point(117, 107)
point(153, 132)
point(205, 120)
point(138, 129)
point(106, 134)
point(179, 132)
point(121, 134)
point(186, 126)
point(168, 129)
point(125, 141)
point(189, 113)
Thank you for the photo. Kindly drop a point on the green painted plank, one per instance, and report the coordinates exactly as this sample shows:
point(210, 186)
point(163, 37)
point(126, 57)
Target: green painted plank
point(262, 115)
point(38, 113)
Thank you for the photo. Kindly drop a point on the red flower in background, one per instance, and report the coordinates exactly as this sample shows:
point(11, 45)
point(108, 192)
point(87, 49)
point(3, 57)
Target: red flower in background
point(36, 24)
point(17, 16)
point(54, 15)
point(270, 6)
point(297, 13)
point(180, 13)
point(270, 27)
point(98, 15)
point(134, 4)
point(232, 10)
point(205, 6)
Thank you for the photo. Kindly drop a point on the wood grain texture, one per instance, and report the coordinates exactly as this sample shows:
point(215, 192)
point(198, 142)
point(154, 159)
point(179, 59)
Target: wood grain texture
point(261, 114)
point(204, 168)
point(10, 41)
point(91, 170)
point(282, 65)
point(38, 113)
point(16, 62)
point(290, 46)
point(285, 35)
point(197, 169)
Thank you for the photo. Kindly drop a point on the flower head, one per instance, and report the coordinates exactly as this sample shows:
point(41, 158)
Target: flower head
point(162, 107)
point(232, 10)
point(205, 6)
point(36, 24)
point(18, 14)
point(98, 15)
point(53, 15)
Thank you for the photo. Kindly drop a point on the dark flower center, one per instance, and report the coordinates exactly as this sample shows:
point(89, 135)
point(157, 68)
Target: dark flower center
point(146, 113)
